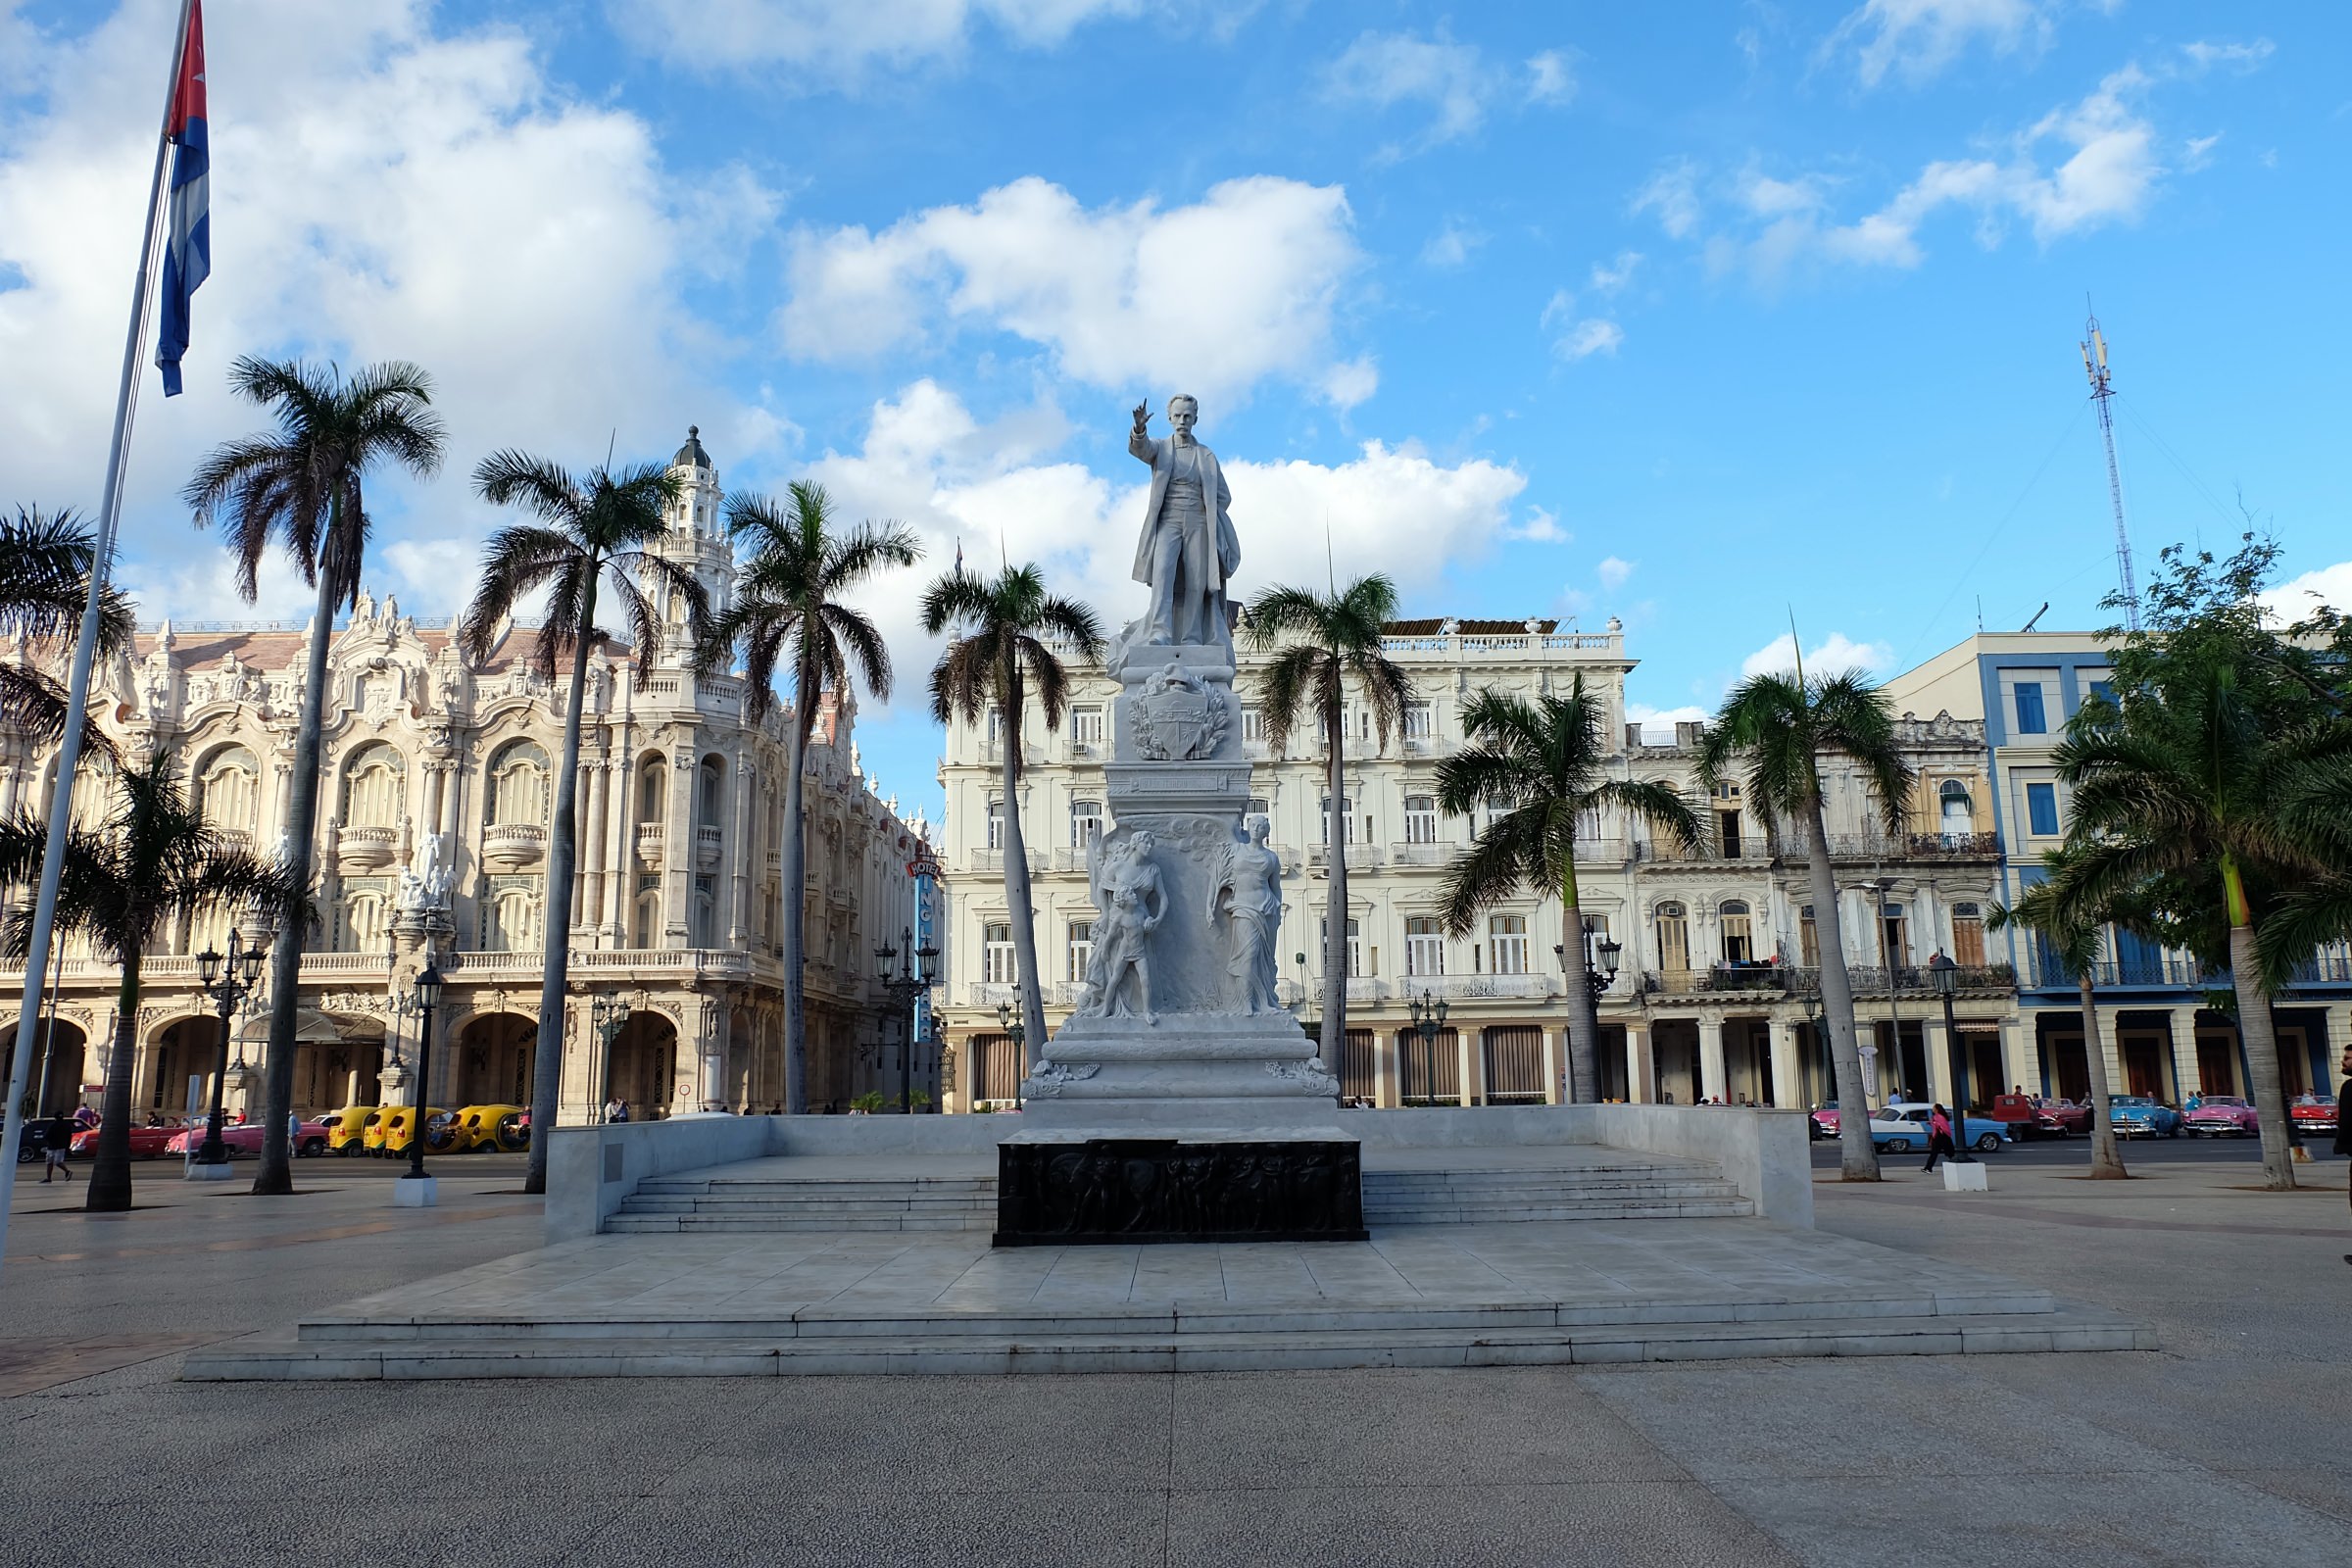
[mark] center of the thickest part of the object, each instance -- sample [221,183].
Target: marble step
[1544,1214]
[282,1356]
[785,1203]
[1503,1192]
[629,1223]
[829,1187]
[1316,1315]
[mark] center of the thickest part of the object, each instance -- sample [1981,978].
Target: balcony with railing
[513,846]
[650,845]
[707,846]
[367,849]
[1915,847]
[1360,856]
[1795,980]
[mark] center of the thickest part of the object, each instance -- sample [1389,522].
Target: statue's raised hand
[1143,416]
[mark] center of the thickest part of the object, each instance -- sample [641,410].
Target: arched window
[653,789]
[364,914]
[228,790]
[374,787]
[1085,823]
[1673,926]
[1958,814]
[514,917]
[1738,938]
[712,797]
[648,919]
[518,785]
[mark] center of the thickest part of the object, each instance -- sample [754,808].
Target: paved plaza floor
[2226,1446]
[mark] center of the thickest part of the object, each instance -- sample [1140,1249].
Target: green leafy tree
[591,539]
[1538,765]
[45,564]
[150,861]
[2072,944]
[1008,637]
[300,488]
[1772,731]
[789,616]
[1324,645]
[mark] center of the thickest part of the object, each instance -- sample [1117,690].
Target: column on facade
[1641,1071]
[1463,1081]
[2018,1064]
[588,911]
[619,865]
[1710,1058]
[679,852]
[1387,1069]
[1553,1064]
[739,856]
[1787,1066]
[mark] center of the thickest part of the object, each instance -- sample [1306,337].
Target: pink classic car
[2223,1116]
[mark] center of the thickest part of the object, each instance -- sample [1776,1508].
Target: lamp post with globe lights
[1010,1023]
[906,971]
[428,1000]
[1944,975]
[227,980]
[1429,1016]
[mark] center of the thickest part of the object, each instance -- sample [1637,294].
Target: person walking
[1939,1136]
[56,1140]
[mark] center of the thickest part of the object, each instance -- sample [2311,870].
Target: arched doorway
[60,1052]
[643,1067]
[494,1060]
[330,1074]
[183,1049]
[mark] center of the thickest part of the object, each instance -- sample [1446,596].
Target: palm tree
[1322,644]
[1543,758]
[788,615]
[2190,787]
[1003,637]
[301,487]
[592,531]
[45,565]
[150,861]
[2073,946]
[1777,727]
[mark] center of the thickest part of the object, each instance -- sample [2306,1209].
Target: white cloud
[1349,382]
[1614,572]
[839,35]
[1837,654]
[1538,527]
[1574,338]
[1916,39]
[1216,297]
[1450,247]
[2198,152]
[928,462]
[1673,194]
[2204,54]
[1615,276]
[1550,77]
[2329,586]
[530,251]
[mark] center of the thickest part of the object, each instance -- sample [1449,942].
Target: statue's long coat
[1197,567]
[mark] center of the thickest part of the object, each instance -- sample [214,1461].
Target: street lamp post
[608,1016]
[428,998]
[1601,952]
[1010,1023]
[1944,975]
[906,971]
[228,981]
[1429,1016]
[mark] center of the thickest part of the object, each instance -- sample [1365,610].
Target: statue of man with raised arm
[1187,549]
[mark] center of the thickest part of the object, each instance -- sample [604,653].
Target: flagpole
[85,647]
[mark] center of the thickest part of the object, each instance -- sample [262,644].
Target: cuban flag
[188,245]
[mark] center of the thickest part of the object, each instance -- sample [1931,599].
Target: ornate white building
[1715,991]
[438,789]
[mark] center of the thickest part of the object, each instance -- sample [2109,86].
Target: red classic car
[146,1143]
[2061,1118]
[2223,1116]
[2313,1114]
[241,1137]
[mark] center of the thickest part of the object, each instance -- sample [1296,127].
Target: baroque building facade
[435,805]
[1717,991]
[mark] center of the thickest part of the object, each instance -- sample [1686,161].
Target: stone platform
[767,1298]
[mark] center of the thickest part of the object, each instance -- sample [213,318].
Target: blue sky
[1694,316]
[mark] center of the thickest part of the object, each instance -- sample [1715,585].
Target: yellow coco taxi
[345,1128]
[478,1129]
[389,1129]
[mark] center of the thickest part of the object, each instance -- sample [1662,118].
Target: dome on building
[692,455]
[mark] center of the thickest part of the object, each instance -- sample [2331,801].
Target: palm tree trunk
[1584,1028]
[791,866]
[1333,1049]
[1017,886]
[1857,1156]
[110,1173]
[302,834]
[2262,1052]
[2106,1157]
[562,852]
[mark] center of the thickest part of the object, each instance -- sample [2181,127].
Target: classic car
[310,1135]
[2139,1116]
[2313,1114]
[240,1138]
[2060,1118]
[2223,1116]
[146,1143]
[1900,1128]
[1822,1123]
[344,1129]
[478,1129]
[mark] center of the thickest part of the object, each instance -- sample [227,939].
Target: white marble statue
[424,884]
[1247,886]
[1187,549]
[1128,891]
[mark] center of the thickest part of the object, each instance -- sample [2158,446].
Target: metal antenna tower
[2102,389]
